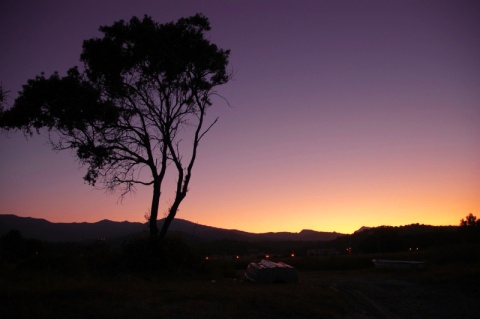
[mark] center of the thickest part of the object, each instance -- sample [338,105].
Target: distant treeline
[384,239]
[388,239]
[178,252]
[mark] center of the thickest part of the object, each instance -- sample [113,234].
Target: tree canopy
[143,88]
[470,221]
[3,97]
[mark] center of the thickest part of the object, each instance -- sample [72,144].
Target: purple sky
[343,114]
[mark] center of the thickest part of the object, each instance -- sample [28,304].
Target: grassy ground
[329,287]
[186,296]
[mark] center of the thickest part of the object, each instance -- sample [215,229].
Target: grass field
[177,296]
[329,287]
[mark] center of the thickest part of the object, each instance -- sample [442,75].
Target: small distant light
[237,257]
[292,255]
[206,258]
[267,256]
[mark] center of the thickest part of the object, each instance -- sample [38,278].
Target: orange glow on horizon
[353,129]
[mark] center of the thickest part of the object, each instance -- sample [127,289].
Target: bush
[100,258]
[174,252]
[14,247]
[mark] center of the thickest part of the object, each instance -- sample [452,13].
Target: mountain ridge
[43,229]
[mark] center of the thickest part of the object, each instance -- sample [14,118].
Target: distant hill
[44,230]
[385,239]
[55,232]
[363,228]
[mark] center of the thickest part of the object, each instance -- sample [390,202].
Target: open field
[443,290]
[163,297]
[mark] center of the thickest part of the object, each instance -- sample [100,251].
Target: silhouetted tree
[470,228]
[3,97]
[138,105]
[14,247]
[470,221]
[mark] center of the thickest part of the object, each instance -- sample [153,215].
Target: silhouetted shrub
[100,258]
[137,253]
[14,247]
[174,252]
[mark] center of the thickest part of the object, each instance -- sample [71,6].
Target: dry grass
[52,296]
[329,287]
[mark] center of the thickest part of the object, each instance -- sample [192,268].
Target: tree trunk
[154,210]
[171,215]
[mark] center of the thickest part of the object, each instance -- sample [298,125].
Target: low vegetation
[187,280]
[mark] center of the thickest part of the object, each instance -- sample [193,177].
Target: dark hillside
[386,239]
[47,231]
[109,230]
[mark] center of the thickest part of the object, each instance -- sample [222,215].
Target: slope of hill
[385,239]
[44,230]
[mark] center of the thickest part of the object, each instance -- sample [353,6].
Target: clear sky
[343,114]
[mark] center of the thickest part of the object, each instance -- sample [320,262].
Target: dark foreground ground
[449,290]
[434,293]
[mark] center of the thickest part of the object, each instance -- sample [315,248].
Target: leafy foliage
[143,89]
[14,247]
[470,221]
[3,97]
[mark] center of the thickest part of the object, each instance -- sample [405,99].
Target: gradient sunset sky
[342,114]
